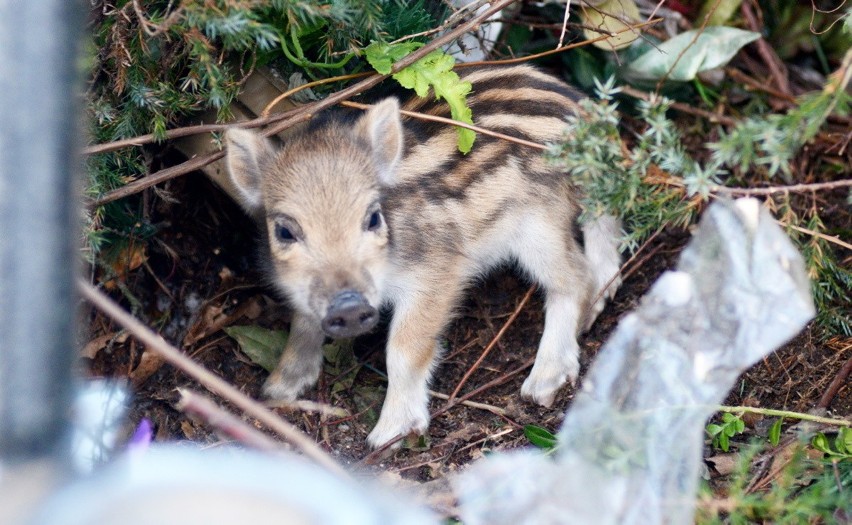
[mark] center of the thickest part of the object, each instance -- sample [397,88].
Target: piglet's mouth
[348,315]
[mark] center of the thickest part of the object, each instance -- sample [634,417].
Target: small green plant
[731,426]
[801,490]
[839,449]
[654,183]
[435,70]
[540,437]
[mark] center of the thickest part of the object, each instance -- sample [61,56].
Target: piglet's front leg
[419,318]
[301,362]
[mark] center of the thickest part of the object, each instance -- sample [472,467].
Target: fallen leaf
[99,343]
[261,345]
[148,365]
[690,53]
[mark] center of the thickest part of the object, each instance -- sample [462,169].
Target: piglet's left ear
[382,128]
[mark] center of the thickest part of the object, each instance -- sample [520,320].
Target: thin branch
[830,238]
[451,122]
[838,381]
[794,188]
[202,407]
[785,413]
[212,382]
[376,454]
[472,404]
[493,343]
[685,108]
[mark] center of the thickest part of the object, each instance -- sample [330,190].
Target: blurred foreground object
[630,447]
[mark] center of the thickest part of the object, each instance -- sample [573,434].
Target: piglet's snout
[348,315]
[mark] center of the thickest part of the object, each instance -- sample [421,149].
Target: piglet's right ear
[245,154]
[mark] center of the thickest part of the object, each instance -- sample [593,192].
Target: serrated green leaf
[382,56]
[261,345]
[434,71]
[713,429]
[684,56]
[540,437]
[739,426]
[775,431]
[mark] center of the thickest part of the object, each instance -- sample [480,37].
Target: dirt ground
[199,273]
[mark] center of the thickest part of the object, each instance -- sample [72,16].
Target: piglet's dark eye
[375,221]
[284,234]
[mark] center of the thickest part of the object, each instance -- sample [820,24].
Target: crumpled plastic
[630,446]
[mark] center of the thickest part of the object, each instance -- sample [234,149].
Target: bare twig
[836,383]
[769,56]
[830,238]
[377,454]
[493,343]
[794,188]
[451,122]
[212,382]
[785,413]
[472,404]
[685,108]
[228,424]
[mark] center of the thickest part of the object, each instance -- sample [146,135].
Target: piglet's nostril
[348,315]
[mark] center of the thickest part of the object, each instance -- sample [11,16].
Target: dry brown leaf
[99,343]
[148,365]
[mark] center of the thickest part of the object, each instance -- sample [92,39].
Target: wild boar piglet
[375,209]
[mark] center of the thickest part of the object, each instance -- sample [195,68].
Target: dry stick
[451,122]
[288,119]
[794,188]
[836,383]
[376,454]
[769,56]
[212,382]
[829,238]
[198,405]
[472,404]
[493,343]
[684,108]
[186,131]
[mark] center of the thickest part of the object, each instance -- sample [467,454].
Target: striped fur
[445,218]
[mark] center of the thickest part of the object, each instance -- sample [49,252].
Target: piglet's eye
[375,221]
[284,234]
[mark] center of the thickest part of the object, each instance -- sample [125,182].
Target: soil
[200,269]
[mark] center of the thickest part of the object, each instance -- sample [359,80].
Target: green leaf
[382,56]
[342,364]
[713,429]
[775,431]
[261,345]
[844,440]
[820,442]
[723,441]
[540,437]
[434,71]
[690,53]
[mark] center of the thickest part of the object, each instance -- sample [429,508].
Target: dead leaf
[261,345]
[99,343]
[723,464]
[148,365]
[213,318]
